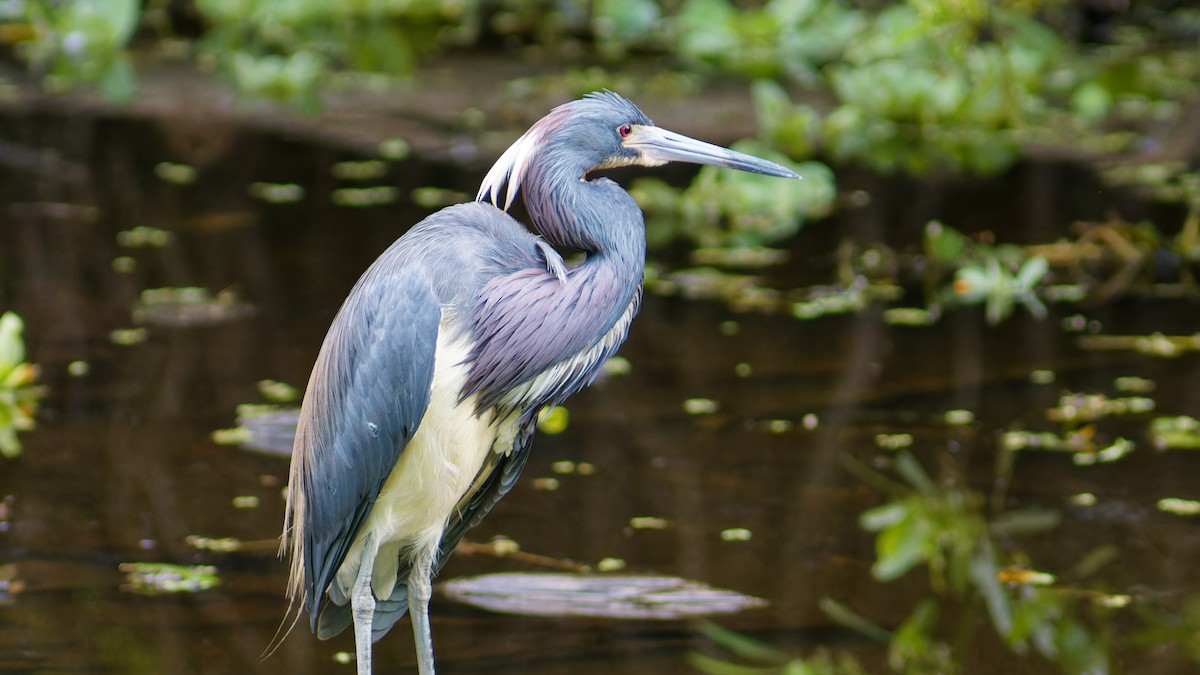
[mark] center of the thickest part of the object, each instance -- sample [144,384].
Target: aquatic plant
[19,392]
[155,578]
[717,210]
[942,527]
[76,42]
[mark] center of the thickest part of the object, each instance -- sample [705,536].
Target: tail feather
[337,617]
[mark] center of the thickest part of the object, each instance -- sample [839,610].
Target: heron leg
[420,589]
[362,606]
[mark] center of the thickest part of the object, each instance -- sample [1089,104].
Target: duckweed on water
[188,306]
[269,428]
[147,578]
[1082,499]
[910,316]
[124,264]
[893,441]
[371,169]
[1179,507]
[747,257]
[245,502]
[1075,408]
[1181,433]
[176,174]
[780,426]
[277,193]
[610,565]
[958,418]
[278,392]
[545,484]
[1134,385]
[1076,441]
[1042,377]
[647,523]
[1081,443]
[700,406]
[617,365]
[395,149]
[222,545]
[1118,449]
[144,236]
[736,534]
[1155,344]
[567,467]
[436,198]
[554,420]
[378,195]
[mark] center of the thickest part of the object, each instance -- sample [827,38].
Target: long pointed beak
[658,146]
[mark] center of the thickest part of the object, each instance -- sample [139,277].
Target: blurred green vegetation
[19,393]
[911,85]
[976,566]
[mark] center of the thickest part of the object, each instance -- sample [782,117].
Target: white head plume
[510,168]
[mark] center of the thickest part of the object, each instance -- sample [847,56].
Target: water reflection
[122,468]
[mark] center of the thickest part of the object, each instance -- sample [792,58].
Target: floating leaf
[647,523]
[1179,507]
[735,534]
[554,420]
[597,595]
[265,428]
[188,306]
[147,578]
[700,406]
[278,392]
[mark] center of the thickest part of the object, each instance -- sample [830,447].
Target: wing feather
[365,400]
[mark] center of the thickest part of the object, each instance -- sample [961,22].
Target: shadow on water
[122,467]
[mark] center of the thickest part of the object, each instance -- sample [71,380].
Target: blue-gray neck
[596,217]
[540,337]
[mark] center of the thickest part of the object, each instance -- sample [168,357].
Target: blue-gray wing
[538,339]
[367,394]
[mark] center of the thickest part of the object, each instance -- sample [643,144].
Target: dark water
[122,466]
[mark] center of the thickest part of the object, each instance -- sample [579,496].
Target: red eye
[625,129]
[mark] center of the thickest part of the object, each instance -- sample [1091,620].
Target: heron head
[605,130]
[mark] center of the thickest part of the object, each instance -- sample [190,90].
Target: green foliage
[620,24]
[19,395]
[81,41]
[930,84]
[914,85]
[154,578]
[915,88]
[942,526]
[762,659]
[282,49]
[996,276]
[788,39]
[287,49]
[735,208]
[928,525]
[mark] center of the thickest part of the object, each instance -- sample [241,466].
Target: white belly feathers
[435,471]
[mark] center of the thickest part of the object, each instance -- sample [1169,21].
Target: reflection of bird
[422,403]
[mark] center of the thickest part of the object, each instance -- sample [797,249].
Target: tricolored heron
[423,400]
